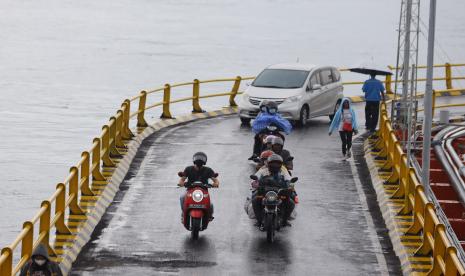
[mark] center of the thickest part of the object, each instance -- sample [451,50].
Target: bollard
[195,97]
[166,102]
[234,90]
[126,106]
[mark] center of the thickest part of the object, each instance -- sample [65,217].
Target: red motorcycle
[197,207]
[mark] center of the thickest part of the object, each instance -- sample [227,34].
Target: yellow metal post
[234,90]
[166,102]
[85,175]
[6,267]
[388,84]
[448,76]
[126,107]
[113,150]
[140,115]
[60,204]
[107,162]
[96,174]
[28,240]
[119,129]
[73,192]
[195,97]
[44,226]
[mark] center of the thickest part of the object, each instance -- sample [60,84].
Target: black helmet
[199,158]
[272,107]
[263,106]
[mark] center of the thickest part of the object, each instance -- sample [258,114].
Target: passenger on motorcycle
[278,148]
[279,174]
[197,172]
[264,159]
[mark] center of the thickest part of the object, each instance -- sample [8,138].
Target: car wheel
[245,121]
[303,116]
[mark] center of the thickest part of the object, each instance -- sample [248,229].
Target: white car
[301,91]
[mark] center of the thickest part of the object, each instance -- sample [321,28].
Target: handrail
[90,167]
[110,144]
[435,242]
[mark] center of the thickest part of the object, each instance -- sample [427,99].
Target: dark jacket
[49,268]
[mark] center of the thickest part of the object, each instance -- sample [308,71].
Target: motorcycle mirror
[180,174]
[215,175]
[294,179]
[253,177]
[290,158]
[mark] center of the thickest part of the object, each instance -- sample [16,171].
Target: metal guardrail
[435,242]
[110,144]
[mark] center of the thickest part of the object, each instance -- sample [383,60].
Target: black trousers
[257,145]
[346,139]
[371,115]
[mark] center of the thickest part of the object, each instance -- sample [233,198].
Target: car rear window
[281,78]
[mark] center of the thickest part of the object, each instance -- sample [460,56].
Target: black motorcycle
[272,195]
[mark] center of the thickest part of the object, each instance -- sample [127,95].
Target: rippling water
[65,66]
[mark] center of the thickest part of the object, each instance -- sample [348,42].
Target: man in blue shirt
[374,91]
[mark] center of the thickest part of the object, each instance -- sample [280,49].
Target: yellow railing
[435,242]
[447,78]
[106,148]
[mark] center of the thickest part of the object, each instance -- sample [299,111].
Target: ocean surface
[66,66]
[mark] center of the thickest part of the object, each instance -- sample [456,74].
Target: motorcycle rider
[268,115]
[279,174]
[277,146]
[197,172]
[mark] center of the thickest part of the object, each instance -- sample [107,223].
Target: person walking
[374,92]
[345,122]
[40,264]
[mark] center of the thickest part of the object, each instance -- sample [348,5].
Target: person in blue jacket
[374,91]
[345,122]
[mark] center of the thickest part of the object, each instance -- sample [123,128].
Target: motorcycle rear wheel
[195,228]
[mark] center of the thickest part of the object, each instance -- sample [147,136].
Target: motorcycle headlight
[271,196]
[293,99]
[272,128]
[197,195]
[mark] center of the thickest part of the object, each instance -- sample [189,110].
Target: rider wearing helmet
[198,172]
[277,146]
[264,158]
[273,172]
[266,107]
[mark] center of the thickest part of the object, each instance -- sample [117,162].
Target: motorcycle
[196,209]
[272,198]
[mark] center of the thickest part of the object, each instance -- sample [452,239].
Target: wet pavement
[334,233]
